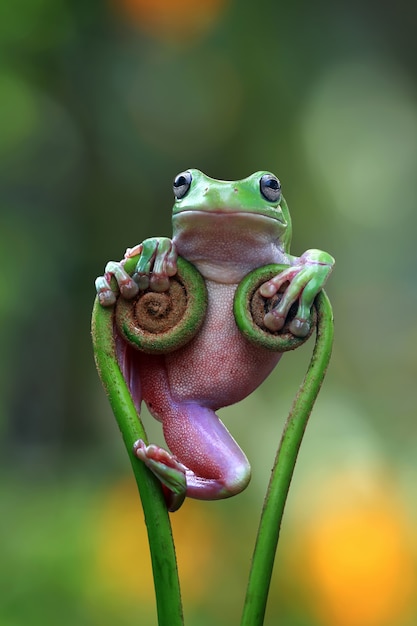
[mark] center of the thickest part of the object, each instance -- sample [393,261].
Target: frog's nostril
[235,189]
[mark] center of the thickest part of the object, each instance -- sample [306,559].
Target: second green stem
[270,524]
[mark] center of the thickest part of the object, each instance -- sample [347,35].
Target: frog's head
[257,198]
[229,227]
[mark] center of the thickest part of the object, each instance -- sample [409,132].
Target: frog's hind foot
[167,469]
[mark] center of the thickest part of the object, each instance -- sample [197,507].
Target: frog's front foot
[149,264]
[125,284]
[167,469]
[306,278]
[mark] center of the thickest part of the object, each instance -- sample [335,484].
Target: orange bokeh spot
[358,558]
[172,19]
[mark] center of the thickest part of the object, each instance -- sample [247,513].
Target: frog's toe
[300,327]
[159,282]
[128,288]
[154,454]
[105,294]
[141,280]
[167,469]
[274,320]
[153,281]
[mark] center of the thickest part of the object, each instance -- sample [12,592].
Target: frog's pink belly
[219,367]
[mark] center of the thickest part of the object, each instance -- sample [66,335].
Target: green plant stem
[273,510]
[164,565]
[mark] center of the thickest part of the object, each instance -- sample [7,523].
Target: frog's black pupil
[270,188]
[179,181]
[182,184]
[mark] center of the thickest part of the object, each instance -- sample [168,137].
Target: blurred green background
[102,103]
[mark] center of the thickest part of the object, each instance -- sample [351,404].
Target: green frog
[225,229]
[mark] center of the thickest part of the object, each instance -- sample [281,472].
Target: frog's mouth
[270,214]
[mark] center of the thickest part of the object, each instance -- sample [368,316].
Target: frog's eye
[270,188]
[182,184]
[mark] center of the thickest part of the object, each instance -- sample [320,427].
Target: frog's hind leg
[206,462]
[215,465]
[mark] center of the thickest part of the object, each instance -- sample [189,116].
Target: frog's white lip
[232,213]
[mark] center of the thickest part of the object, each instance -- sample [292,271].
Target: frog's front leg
[205,461]
[149,264]
[306,276]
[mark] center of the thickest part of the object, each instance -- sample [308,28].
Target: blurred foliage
[102,104]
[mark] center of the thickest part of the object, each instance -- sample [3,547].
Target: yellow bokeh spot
[123,566]
[358,556]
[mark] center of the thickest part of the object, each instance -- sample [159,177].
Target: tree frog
[225,229]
